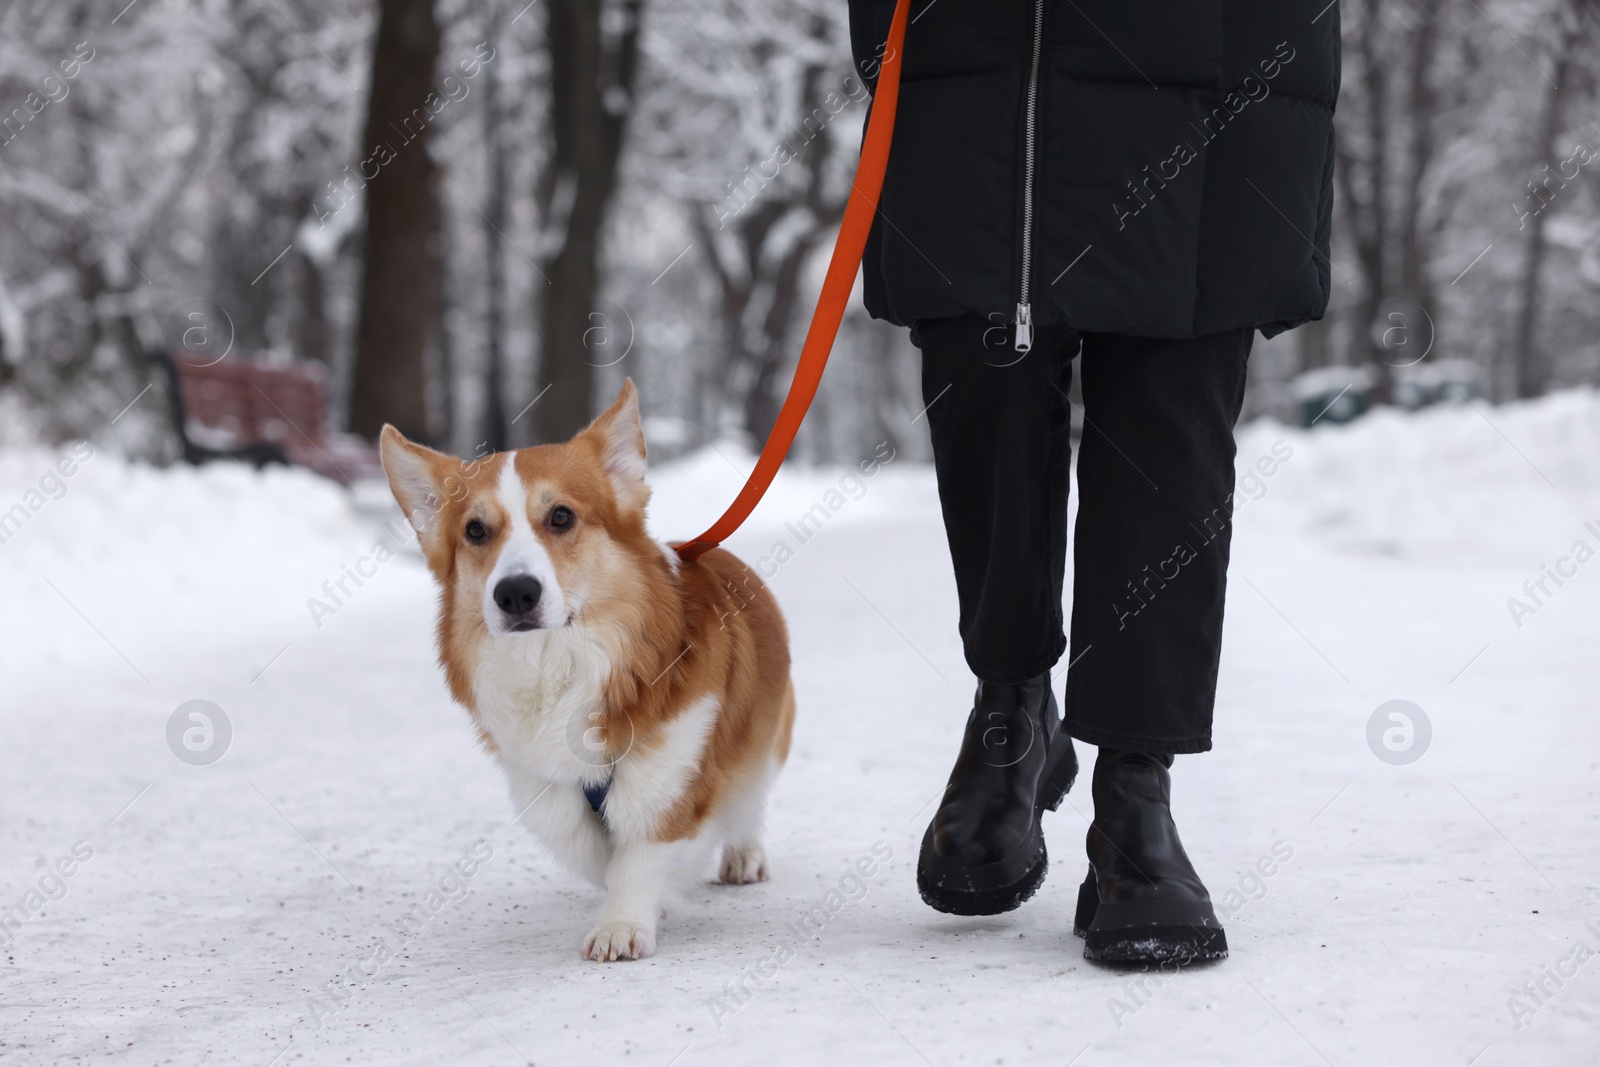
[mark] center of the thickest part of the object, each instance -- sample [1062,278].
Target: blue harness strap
[596,794]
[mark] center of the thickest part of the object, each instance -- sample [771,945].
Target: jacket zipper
[1024,323]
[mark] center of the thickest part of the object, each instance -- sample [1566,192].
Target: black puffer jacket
[1182,163]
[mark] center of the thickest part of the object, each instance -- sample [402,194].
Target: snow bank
[1451,483]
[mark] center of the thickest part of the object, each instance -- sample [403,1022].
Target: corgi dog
[640,704]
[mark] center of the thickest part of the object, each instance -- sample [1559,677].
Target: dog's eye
[477,532]
[561,517]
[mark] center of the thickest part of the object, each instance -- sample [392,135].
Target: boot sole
[993,889]
[1163,932]
[1006,884]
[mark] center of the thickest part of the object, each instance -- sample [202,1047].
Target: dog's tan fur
[670,634]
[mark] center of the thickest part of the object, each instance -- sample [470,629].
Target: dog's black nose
[518,596]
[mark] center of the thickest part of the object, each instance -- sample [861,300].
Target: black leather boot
[1142,901]
[984,853]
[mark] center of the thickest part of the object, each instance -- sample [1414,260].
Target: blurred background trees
[576,190]
[1466,223]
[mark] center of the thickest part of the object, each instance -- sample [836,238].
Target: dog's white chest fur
[539,701]
[539,697]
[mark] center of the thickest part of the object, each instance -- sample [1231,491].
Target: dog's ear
[416,477]
[620,440]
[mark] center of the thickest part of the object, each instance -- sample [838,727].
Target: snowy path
[218,900]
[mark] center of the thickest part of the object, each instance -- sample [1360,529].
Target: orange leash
[834,299]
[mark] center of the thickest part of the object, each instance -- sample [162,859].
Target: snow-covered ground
[1442,911]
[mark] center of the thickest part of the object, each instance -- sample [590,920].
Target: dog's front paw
[743,864]
[619,941]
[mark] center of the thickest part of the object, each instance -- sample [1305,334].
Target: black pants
[1155,476]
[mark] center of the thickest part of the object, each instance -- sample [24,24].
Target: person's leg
[1155,477]
[1155,485]
[999,426]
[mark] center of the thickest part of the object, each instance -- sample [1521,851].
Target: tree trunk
[888,413]
[494,432]
[1312,344]
[591,94]
[400,286]
[442,416]
[1422,103]
[741,269]
[1531,369]
[1372,250]
[763,399]
[311,328]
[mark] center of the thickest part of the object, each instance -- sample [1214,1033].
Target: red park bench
[261,413]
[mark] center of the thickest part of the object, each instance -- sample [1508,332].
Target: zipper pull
[1024,327]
